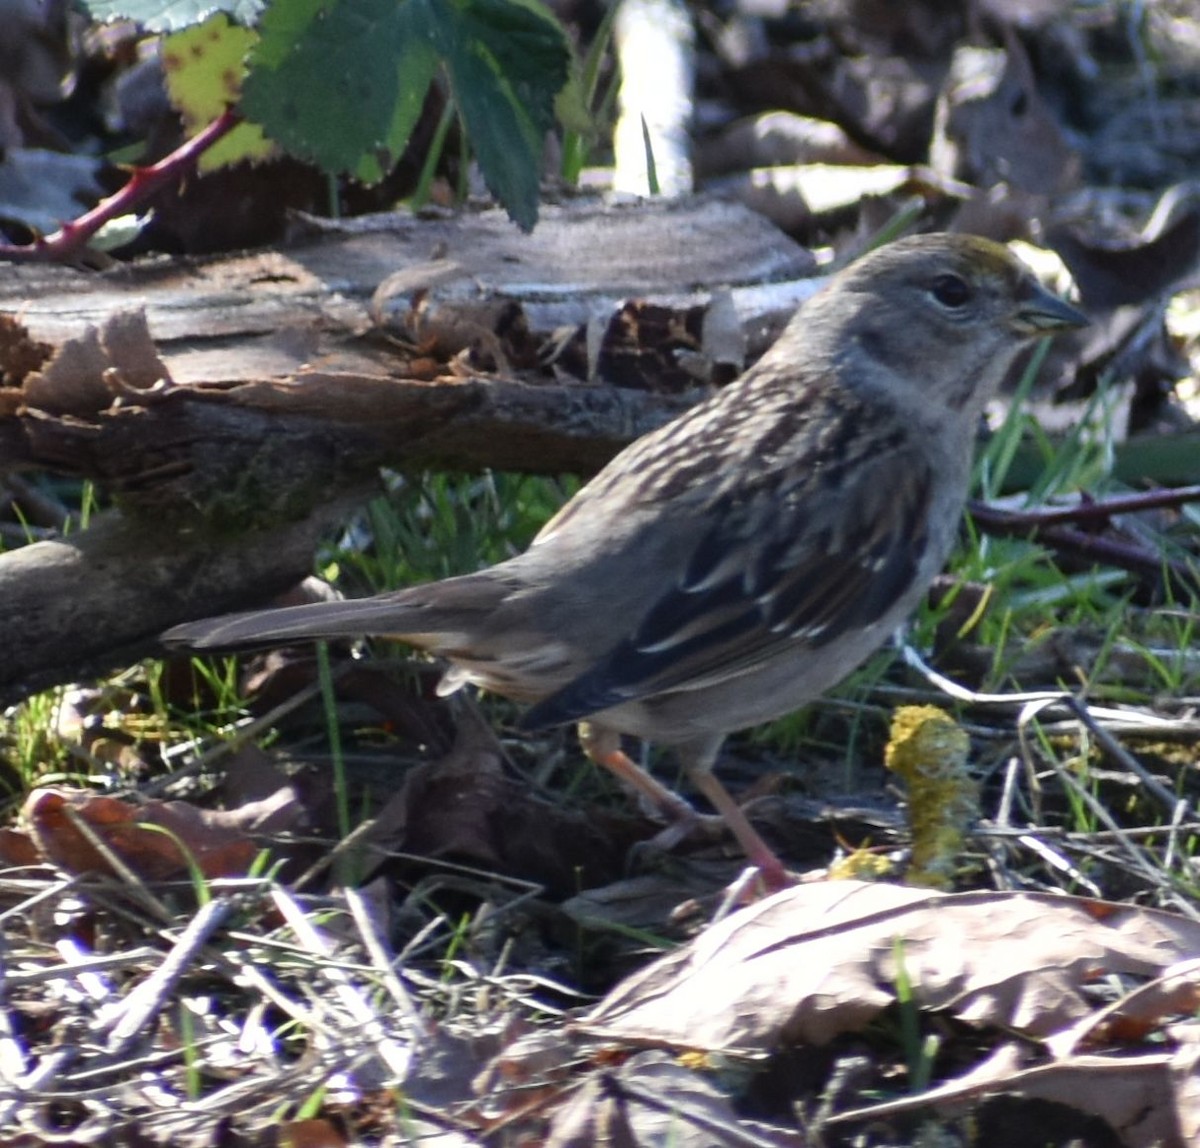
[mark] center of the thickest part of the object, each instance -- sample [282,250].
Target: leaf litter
[420,994]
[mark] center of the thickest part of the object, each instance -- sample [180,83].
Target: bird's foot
[765,874]
[773,876]
[603,746]
[752,884]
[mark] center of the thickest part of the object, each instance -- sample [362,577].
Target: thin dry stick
[141,1005]
[395,1055]
[1003,828]
[1143,864]
[1057,861]
[135,885]
[93,964]
[1057,832]
[360,833]
[1177,807]
[710,1124]
[373,942]
[1110,717]
[43,892]
[1115,749]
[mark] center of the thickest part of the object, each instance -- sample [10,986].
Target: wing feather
[754,585]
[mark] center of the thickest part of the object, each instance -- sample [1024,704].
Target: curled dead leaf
[88,833]
[819,960]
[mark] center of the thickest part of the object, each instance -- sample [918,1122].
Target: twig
[377,950]
[144,181]
[1003,520]
[1172,804]
[235,737]
[1141,863]
[1053,527]
[149,997]
[396,1055]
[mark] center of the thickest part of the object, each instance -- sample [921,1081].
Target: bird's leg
[603,746]
[698,759]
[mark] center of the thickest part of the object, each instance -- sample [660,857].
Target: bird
[732,565]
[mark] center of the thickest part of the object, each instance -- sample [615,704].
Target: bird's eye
[950,291]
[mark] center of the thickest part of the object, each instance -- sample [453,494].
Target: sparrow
[732,565]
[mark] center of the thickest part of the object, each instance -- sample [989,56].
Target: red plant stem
[1055,527]
[990,516]
[144,181]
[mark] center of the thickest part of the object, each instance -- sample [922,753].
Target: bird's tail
[433,617]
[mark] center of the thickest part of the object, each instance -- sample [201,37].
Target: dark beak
[1041,312]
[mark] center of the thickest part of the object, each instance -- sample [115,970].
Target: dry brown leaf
[71,383]
[771,139]
[311,1134]
[646,346]
[17,849]
[647,900]
[815,961]
[1136,1014]
[992,124]
[1150,1101]
[19,354]
[652,1100]
[1133,268]
[464,807]
[125,337]
[154,840]
[1184,1075]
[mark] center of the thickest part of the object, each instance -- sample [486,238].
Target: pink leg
[603,746]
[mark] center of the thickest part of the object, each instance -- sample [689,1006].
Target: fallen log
[227,404]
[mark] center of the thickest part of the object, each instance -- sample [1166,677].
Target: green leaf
[416,68]
[169,15]
[526,50]
[416,65]
[507,61]
[342,82]
[204,68]
[324,81]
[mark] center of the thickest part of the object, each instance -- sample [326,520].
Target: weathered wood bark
[293,353]
[260,387]
[100,598]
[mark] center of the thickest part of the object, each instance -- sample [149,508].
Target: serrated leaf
[415,71]
[170,15]
[507,61]
[415,68]
[507,145]
[204,67]
[324,80]
[244,142]
[525,48]
[342,82]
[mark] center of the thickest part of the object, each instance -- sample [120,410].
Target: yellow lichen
[929,750]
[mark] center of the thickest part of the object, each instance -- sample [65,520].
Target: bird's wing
[770,572]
